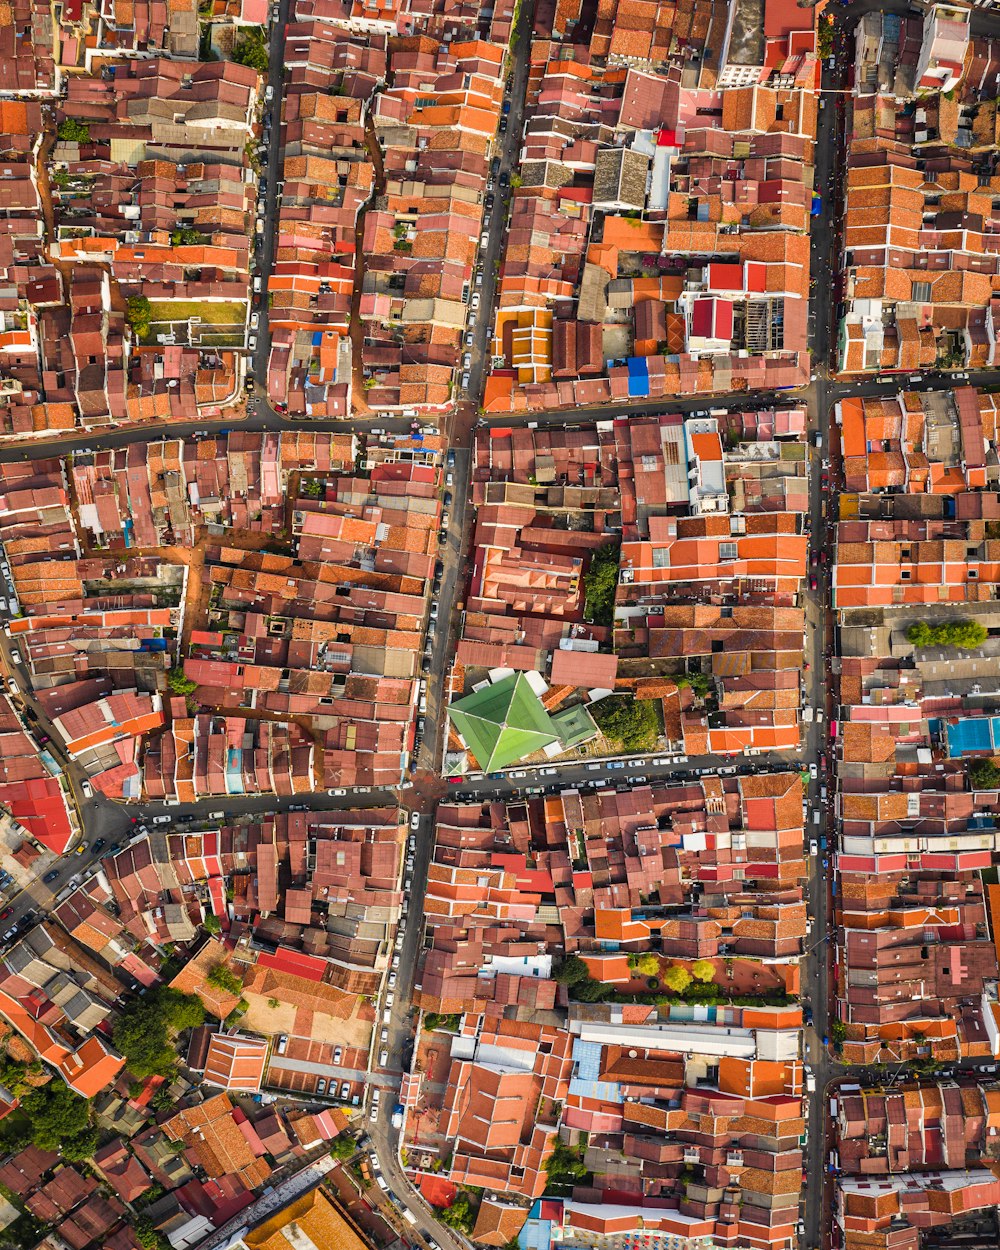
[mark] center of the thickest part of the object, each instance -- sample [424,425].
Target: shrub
[139,314]
[600,583]
[74,131]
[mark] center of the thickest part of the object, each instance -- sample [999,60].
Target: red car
[6,913]
[812,581]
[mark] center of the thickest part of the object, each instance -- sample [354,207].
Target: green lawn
[225,314]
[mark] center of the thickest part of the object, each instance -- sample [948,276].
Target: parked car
[51,875]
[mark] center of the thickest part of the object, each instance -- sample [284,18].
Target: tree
[964,635]
[460,1214]
[212,924]
[139,315]
[600,583]
[648,965]
[591,991]
[73,131]
[344,1148]
[629,723]
[984,774]
[180,683]
[571,971]
[142,1032]
[677,979]
[252,50]
[703,970]
[186,235]
[60,1120]
[224,978]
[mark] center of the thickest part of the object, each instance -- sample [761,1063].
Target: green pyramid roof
[503,722]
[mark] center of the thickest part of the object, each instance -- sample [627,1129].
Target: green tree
[224,978]
[143,1031]
[677,979]
[60,1120]
[703,970]
[73,131]
[648,965]
[571,971]
[591,991]
[252,50]
[984,774]
[186,235]
[180,683]
[631,724]
[460,1214]
[964,635]
[212,924]
[344,1148]
[600,583]
[139,314]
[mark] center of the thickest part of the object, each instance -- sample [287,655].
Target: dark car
[438,568]
[506,107]
[504,178]
[447,498]
[813,560]
[99,845]
[489,201]
[451,457]
[51,876]
[442,538]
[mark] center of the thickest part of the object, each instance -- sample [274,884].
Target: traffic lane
[264,418]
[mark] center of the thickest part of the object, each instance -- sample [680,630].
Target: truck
[397,1115]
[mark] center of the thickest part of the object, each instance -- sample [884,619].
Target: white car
[813,847]
[390,999]
[813,773]
[383,1056]
[338,1054]
[254,320]
[87,788]
[392,980]
[474,302]
[252,343]
[15,655]
[373,1114]
[336,794]
[414,820]
[161,820]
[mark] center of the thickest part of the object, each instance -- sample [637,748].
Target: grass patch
[224,314]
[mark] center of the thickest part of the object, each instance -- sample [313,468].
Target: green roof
[503,722]
[574,725]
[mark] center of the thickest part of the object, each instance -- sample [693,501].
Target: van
[382,1183]
[816,817]
[818,440]
[386,1015]
[282,1045]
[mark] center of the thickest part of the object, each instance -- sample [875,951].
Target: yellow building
[312,1222]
